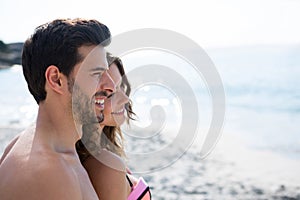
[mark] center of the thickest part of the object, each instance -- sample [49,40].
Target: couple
[72,151]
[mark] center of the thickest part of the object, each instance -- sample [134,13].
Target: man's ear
[54,79]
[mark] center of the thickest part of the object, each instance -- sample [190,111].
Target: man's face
[91,85]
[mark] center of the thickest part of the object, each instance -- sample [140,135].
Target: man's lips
[99,99]
[99,103]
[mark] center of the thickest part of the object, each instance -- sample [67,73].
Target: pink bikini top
[140,191]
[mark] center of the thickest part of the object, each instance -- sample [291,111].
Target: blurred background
[254,45]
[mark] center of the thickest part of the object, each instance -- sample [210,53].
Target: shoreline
[10,54]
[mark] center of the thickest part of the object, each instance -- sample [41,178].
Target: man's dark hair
[56,43]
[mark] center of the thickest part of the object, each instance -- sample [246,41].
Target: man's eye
[98,74]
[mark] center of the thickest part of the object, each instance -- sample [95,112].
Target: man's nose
[107,84]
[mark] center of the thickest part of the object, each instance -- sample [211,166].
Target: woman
[106,168]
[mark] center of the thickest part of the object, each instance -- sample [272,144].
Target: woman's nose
[125,98]
[107,84]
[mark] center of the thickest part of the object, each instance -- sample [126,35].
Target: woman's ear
[54,79]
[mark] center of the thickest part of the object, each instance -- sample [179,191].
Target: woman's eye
[123,87]
[120,88]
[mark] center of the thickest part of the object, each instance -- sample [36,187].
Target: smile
[119,111]
[99,102]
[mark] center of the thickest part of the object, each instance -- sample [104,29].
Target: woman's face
[114,106]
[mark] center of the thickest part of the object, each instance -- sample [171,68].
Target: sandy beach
[231,171]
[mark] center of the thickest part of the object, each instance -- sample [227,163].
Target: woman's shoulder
[107,161]
[107,172]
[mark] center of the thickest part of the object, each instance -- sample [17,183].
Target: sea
[261,87]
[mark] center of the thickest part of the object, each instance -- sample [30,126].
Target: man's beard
[83,108]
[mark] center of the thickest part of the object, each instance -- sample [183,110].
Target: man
[65,67]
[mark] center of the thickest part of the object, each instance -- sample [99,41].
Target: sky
[211,23]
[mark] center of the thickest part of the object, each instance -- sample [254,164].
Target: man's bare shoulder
[8,148]
[38,177]
[29,171]
[34,169]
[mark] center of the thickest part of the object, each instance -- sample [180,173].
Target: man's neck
[57,129]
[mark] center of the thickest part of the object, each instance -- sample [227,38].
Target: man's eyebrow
[98,68]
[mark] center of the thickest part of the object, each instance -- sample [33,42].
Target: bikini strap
[130,183]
